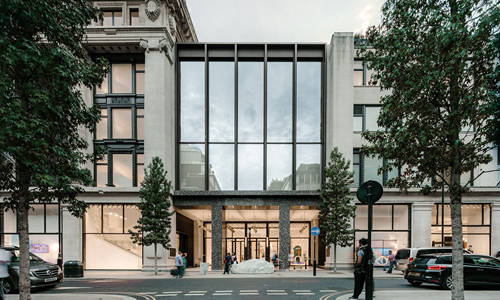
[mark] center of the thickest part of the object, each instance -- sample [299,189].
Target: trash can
[73,268]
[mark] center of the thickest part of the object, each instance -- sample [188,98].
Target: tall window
[366,168]
[112,18]
[249,125]
[134,17]
[362,74]
[121,128]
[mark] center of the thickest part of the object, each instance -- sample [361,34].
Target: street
[231,288]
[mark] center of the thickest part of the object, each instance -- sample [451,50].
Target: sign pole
[315,232]
[369,272]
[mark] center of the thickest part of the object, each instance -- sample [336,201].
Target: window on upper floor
[366,168]
[362,74]
[123,78]
[365,118]
[134,17]
[121,123]
[120,168]
[112,18]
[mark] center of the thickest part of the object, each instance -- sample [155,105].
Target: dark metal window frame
[112,11]
[385,175]
[363,114]
[260,53]
[364,70]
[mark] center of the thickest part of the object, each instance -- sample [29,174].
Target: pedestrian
[184,263]
[275,259]
[227,263]
[392,262]
[470,249]
[234,258]
[5,257]
[179,263]
[360,268]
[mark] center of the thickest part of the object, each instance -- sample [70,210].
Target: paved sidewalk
[72,296]
[425,294]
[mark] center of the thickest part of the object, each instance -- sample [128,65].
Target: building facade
[244,131]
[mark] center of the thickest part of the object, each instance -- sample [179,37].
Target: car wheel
[415,283]
[8,287]
[447,282]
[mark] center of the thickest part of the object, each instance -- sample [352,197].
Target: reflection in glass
[372,113]
[93,219]
[358,72]
[250,167]
[221,162]
[250,101]
[382,217]
[132,214]
[308,101]
[308,174]
[36,218]
[102,175]
[140,169]
[122,123]
[401,217]
[140,123]
[9,221]
[102,125]
[101,252]
[221,101]
[104,87]
[112,217]
[192,167]
[139,83]
[279,101]
[279,167]
[51,218]
[371,169]
[192,101]
[121,75]
[122,170]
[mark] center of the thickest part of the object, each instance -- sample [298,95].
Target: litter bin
[73,268]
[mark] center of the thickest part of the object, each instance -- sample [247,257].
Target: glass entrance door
[237,246]
[257,249]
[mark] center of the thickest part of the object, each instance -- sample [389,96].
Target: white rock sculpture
[203,268]
[253,266]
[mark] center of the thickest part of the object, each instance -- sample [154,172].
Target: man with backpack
[227,263]
[360,268]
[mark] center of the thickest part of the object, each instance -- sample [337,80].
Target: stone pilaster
[217,227]
[421,224]
[284,236]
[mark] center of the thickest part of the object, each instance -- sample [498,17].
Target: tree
[43,66]
[155,224]
[438,59]
[336,212]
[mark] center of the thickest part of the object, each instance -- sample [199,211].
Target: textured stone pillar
[495,228]
[284,236]
[421,224]
[217,221]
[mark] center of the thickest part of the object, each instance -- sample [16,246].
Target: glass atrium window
[279,101]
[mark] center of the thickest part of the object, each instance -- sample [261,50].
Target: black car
[42,273]
[478,270]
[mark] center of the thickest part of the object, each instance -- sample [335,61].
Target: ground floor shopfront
[206,226]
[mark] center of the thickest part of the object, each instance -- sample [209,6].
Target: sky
[277,21]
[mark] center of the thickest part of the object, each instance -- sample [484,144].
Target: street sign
[315,231]
[373,187]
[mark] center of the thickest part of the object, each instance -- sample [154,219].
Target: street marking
[194,295]
[147,293]
[249,294]
[301,291]
[304,294]
[223,291]
[71,287]
[172,292]
[327,291]
[167,295]
[277,294]
[275,291]
[221,294]
[197,292]
[249,291]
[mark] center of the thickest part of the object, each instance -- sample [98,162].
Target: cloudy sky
[280,20]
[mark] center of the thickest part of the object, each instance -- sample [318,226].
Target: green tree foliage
[43,65]
[336,212]
[438,60]
[155,224]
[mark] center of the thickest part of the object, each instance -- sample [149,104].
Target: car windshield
[403,254]
[16,253]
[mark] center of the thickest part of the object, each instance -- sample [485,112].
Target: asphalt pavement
[194,273]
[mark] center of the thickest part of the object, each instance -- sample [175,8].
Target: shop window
[112,18]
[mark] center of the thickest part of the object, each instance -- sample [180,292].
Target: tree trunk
[334,258]
[23,230]
[156,262]
[457,273]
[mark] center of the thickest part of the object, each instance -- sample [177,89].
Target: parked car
[436,269]
[406,255]
[42,273]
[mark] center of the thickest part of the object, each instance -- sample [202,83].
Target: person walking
[5,257]
[179,263]
[360,268]
[184,263]
[227,263]
[392,262]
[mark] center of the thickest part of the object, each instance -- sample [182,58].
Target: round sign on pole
[373,187]
[315,231]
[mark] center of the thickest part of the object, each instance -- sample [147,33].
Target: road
[223,288]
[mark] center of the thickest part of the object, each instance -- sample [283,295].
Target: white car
[407,255]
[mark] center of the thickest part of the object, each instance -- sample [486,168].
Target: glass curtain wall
[476,227]
[107,243]
[44,230]
[391,229]
[241,124]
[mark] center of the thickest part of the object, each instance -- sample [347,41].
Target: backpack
[364,261]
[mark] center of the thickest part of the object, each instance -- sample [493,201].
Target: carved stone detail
[153,9]
[171,24]
[144,45]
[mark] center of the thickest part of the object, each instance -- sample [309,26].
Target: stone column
[284,236]
[495,228]
[217,222]
[421,224]
[72,236]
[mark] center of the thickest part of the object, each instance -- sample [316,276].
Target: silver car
[42,273]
